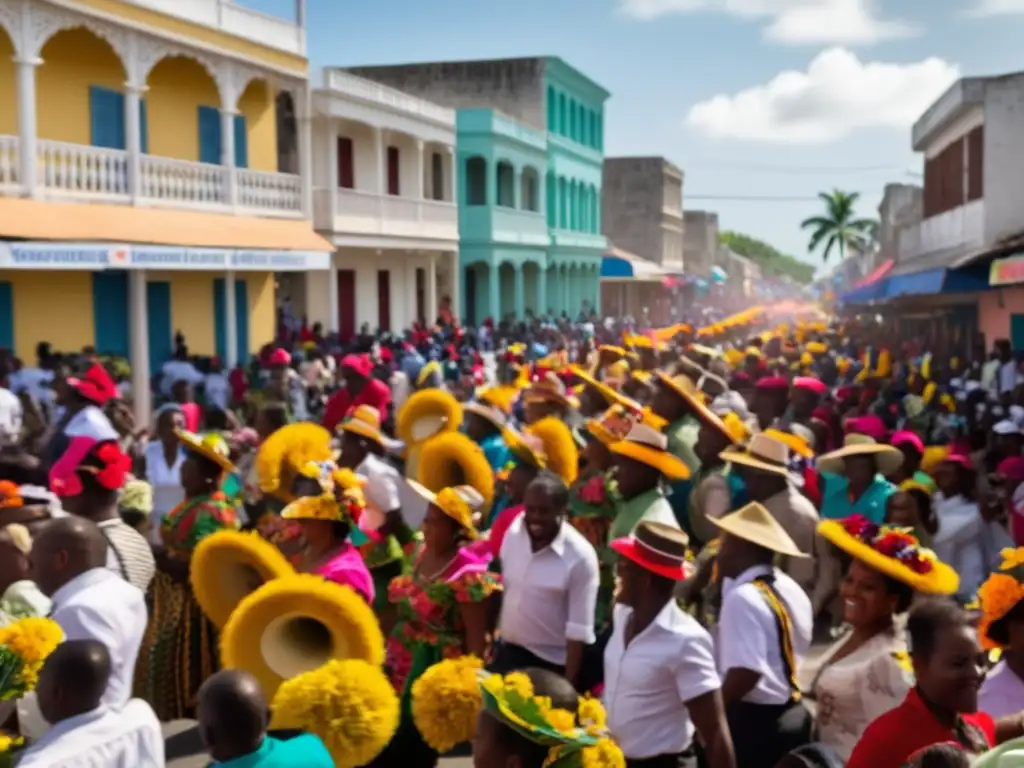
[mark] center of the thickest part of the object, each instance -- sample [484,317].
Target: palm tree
[838,228]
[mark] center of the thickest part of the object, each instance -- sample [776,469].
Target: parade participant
[83,424]
[854,478]
[716,490]
[528,460]
[360,389]
[569,731]
[805,396]
[161,465]
[442,607]
[327,520]
[20,597]
[912,448]
[644,466]
[770,400]
[865,673]
[551,579]
[959,539]
[676,400]
[1001,628]
[763,632]
[666,688]
[943,706]
[547,398]
[597,396]
[180,648]
[485,425]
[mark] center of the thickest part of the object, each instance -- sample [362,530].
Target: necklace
[442,569]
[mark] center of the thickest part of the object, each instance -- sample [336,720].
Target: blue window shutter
[219,330]
[106,117]
[158,324]
[110,312]
[6,316]
[241,143]
[209,135]
[242,319]
[143,127]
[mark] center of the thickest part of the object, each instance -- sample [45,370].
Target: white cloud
[997,8]
[837,95]
[793,22]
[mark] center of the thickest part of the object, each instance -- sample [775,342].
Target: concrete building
[384,195]
[529,158]
[147,177]
[901,209]
[700,242]
[642,208]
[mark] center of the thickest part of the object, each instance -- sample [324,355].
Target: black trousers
[509,657]
[687,759]
[763,733]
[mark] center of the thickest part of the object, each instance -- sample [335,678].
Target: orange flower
[998,595]
[1011,558]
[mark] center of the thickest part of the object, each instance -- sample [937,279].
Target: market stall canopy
[619,265]
[876,274]
[76,222]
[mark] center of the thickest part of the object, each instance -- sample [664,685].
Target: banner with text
[101,256]
[1006,271]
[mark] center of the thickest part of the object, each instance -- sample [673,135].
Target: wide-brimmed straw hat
[659,548]
[549,389]
[611,395]
[892,551]
[887,459]
[211,447]
[797,444]
[613,425]
[755,524]
[648,446]
[763,453]
[459,503]
[525,448]
[490,413]
[364,422]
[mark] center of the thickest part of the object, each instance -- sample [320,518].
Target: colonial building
[530,139]
[384,195]
[148,173]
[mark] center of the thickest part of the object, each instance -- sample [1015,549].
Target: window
[437,176]
[563,203]
[563,115]
[241,142]
[552,200]
[394,171]
[944,180]
[572,119]
[107,120]
[210,146]
[476,181]
[976,163]
[346,163]
[530,190]
[552,110]
[506,192]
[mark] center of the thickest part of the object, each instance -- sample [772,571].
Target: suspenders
[785,628]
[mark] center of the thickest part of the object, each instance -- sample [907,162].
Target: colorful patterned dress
[179,650]
[591,511]
[430,626]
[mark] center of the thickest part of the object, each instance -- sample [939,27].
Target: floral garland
[24,647]
[895,543]
[10,496]
[445,702]
[1000,594]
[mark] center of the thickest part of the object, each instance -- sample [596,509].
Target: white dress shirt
[103,738]
[958,541]
[748,636]
[549,596]
[100,605]
[648,682]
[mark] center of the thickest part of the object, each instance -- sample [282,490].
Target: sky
[762,103]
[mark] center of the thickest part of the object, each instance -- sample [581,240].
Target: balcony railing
[344,82]
[368,213]
[961,228]
[83,173]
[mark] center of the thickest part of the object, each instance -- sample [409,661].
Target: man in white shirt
[661,683]
[550,574]
[763,633]
[85,731]
[91,602]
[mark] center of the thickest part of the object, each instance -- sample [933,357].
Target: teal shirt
[496,451]
[836,503]
[306,750]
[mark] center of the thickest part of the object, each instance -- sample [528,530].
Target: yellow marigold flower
[1011,558]
[8,742]
[31,640]
[562,720]
[519,683]
[592,714]
[445,702]
[604,754]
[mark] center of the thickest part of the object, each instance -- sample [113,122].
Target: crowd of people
[619,547]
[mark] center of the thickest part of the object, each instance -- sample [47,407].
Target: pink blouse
[348,569]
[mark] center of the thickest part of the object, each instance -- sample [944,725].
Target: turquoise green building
[529,153]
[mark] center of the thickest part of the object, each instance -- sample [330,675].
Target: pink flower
[593,491]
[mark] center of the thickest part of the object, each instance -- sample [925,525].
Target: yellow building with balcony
[154,175]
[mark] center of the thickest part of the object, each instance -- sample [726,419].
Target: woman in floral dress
[179,650]
[442,607]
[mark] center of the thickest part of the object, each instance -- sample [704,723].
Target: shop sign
[89,256]
[1006,271]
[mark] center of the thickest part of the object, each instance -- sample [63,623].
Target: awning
[80,222]
[865,294]
[915,283]
[877,274]
[620,266]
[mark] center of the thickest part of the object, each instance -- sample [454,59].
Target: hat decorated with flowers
[894,552]
[1002,591]
[461,503]
[342,499]
[574,739]
[210,446]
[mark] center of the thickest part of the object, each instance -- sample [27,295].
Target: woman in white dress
[866,672]
[163,459]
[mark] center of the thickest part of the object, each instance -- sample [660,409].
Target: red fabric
[239,385]
[811,384]
[773,382]
[192,416]
[64,479]
[279,357]
[96,385]
[361,364]
[341,403]
[501,526]
[812,486]
[893,737]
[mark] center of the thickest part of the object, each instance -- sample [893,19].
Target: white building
[384,195]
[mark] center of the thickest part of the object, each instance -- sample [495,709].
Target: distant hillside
[769,259]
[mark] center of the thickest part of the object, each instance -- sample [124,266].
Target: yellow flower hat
[446,701]
[451,459]
[210,446]
[283,455]
[998,596]
[563,457]
[525,448]
[427,413]
[459,503]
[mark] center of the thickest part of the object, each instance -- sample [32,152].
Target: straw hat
[365,422]
[659,548]
[798,444]
[459,503]
[684,387]
[550,389]
[487,412]
[764,453]
[893,552]
[611,396]
[755,524]
[613,425]
[887,458]
[648,446]
[211,446]
[525,448]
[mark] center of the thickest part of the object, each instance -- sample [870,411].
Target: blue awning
[864,294]
[617,265]
[915,283]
